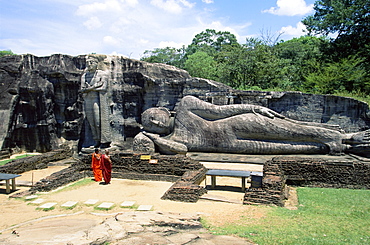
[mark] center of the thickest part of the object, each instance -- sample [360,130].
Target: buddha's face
[92,63]
[157,120]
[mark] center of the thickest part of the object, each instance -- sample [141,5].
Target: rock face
[43,101]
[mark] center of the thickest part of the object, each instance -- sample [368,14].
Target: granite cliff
[43,101]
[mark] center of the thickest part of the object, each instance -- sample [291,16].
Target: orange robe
[106,166]
[95,165]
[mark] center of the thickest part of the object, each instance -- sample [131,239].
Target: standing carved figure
[94,87]
[241,128]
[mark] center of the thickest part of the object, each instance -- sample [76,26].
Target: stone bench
[7,178]
[231,173]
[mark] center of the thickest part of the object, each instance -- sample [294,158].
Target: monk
[106,166]
[95,165]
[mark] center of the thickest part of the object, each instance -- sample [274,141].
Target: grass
[76,185]
[324,216]
[3,162]
[46,209]
[357,96]
[135,206]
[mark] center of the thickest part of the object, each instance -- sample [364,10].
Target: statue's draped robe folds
[94,87]
[242,128]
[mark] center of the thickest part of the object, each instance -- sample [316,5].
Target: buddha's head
[157,120]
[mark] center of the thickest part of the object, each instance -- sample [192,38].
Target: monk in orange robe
[95,165]
[106,166]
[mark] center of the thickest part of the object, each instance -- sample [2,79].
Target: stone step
[127,204]
[38,201]
[106,205]
[145,208]
[47,205]
[69,204]
[220,199]
[91,202]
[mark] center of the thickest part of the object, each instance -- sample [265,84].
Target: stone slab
[106,205]
[38,201]
[91,201]
[47,205]
[31,197]
[145,207]
[182,238]
[69,204]
[127,204]
[220,199]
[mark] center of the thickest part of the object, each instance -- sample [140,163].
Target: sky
[129,27]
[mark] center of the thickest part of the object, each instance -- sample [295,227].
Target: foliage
[345,17]
[346,75]
[349,20]
[358,95]
[200,64]
[324,216]
[76,185]
[6,52]
[5,161]
[296,55]
[211,42]
[168,55]
[308,63]
[253,64]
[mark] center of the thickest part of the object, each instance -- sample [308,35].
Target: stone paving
[136,224]
[134,227]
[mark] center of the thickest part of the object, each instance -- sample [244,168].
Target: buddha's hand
[151,136]
[268,112]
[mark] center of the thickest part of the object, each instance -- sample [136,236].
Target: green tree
[233,66]
[211,42]
[296,55]
[168,55]
[6,52]
[200,64]
[348,74]
[349,19]
[252,65]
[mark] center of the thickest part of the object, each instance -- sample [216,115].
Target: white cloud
[93,23]
[126,27]
[207,1]
[291,31]
[187,3]
[143,41]
[290,8]
[172,6]
[118,54]
[131,3]
[107,5]
[109,40]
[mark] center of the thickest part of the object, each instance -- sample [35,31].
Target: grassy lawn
[324,216]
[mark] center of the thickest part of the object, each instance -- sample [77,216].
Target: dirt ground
[18,212]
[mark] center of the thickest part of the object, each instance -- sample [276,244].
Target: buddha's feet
[362,137]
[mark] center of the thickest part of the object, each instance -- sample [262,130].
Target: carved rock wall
[282,171]
[41,105]
[350,114]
